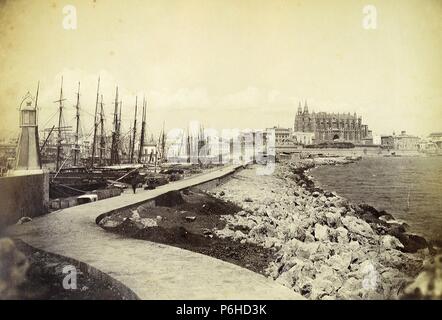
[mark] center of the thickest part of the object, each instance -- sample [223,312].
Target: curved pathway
[150,270]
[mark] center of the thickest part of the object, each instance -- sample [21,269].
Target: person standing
[134,183]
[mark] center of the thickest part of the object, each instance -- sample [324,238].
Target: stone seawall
[25,195]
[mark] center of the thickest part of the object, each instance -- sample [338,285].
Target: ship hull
[77,181]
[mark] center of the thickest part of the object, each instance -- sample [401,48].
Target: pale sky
[227,63]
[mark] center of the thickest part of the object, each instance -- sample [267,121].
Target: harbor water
[410,188]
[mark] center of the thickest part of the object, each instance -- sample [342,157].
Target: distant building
[329,127]
[405,141]
[368,140]
[304,138]
[285,142]
[377,140]
[436,138]
[149,152]
[428,147]
[387,142]
[401,141]
[432,144]
[282,135]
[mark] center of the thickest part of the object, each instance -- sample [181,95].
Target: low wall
[216,182]
[23,196]
[63,203]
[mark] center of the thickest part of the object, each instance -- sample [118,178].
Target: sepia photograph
[221,155]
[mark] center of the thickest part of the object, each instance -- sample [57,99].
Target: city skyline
[232,65]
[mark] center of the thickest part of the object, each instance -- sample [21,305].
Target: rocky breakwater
[326,247]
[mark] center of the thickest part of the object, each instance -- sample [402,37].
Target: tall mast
[135,132]
[120,140]
[188,146]
[60,116]
[36,96]
[116,133]
[36,120]
[119,117]
[102,137]
[163,143]
[130,142]
[143,125]
[77,126]
[94,141]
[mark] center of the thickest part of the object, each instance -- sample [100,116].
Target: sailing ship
[78,167]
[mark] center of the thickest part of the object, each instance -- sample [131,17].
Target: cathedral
[332,126]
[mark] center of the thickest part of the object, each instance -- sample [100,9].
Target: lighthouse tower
[28,149]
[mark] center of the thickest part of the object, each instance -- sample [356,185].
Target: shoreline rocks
[326,247]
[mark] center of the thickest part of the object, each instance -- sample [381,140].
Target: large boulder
[23,220]
[321,254]
[225,233]
[357,252]
[340,262]
[131,224]
[411,242]
[370,209]
[406,263]
[321,232]
[350,290]
[239,235]
[357,226]
[415,242]
[320,288]
[109,223]
[333,218]
[389,242]
[286,279]
[13,268]
[341,235]
[291,231]
[305,250]
[148,223]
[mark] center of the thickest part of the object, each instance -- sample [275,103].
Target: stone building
[150,152]
[436,138]
[387,142]
[282,135]
[304,138]
[401,141]
[405,141]
[332,126]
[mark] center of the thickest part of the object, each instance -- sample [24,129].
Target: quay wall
[23,196]
[63,203]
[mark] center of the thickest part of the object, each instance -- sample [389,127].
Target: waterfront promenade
[148,270]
